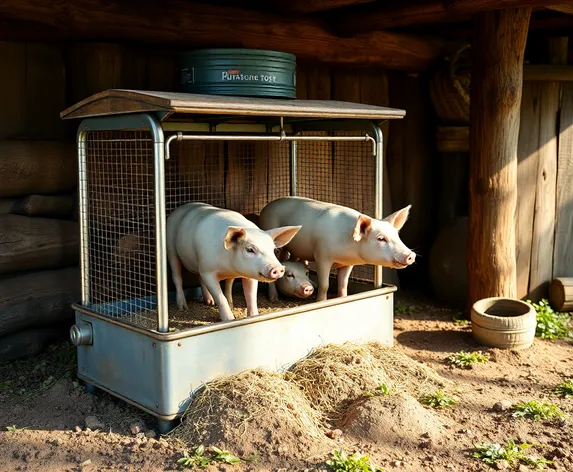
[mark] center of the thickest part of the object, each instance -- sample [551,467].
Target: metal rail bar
[379,192]
[83,216]
[219,137]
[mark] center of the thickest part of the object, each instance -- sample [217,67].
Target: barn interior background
[413,55]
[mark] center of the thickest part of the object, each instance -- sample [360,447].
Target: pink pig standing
[221,244]
[340,237]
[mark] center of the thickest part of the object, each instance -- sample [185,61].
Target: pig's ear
[398,218]
[282,236]
[282,254]
[234,234]
[363,225]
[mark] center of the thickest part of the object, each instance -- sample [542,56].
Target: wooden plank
[188,183]
[568,9]
[239,181]
[128,101]
[301,81]
[453,139]
[134,67]
[346,180]
[563,255]
[542,246]
[190,24]
[527,165]
[161,71]
[540,72]
[314,169]
[12,90]
[418,180]
[45,91]
[215,172]
[259,191]
[497,78]
[93,68]
[396,145]
[374,90]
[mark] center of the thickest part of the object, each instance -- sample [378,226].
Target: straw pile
[283,417]
[255,411]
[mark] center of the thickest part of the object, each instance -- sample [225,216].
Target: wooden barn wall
[545,189]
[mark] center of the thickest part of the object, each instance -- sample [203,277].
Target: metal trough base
[159,373]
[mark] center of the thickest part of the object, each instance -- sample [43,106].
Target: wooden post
[497,76]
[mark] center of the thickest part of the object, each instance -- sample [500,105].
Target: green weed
[564,389]
[550,324]
[537,411]
[465,360]
[342,462]
[511,452]
[438,399]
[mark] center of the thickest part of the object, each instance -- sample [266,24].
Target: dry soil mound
[392,420]
[335,375]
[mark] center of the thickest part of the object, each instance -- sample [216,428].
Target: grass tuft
[465,360]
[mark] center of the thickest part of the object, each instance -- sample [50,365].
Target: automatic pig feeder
[143,154]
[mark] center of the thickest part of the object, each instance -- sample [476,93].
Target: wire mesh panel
[242,176]
[121,227]
[341,172]
[239,175]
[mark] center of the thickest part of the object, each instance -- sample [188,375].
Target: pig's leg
[213,286]
[273,293]
[323,273]
[207,297]
[250,291]
[229,291]
[343,274]
[175,264]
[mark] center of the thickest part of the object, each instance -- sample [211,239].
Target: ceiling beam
[385,15]
[192,25]
[562,8]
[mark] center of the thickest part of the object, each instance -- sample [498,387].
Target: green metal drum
[242,72]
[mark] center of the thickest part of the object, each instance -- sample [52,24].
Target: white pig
[295,283]
[220,244]
[340,237]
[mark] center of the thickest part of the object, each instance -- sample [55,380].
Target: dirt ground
[49,410]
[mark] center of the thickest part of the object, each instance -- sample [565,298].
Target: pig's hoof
[209,301]
[255,313]
[274,298]
[182,306]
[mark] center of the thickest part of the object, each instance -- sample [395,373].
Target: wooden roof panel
[117,101]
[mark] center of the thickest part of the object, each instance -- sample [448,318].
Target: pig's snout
[406,259]
[274,272]
[305,290]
